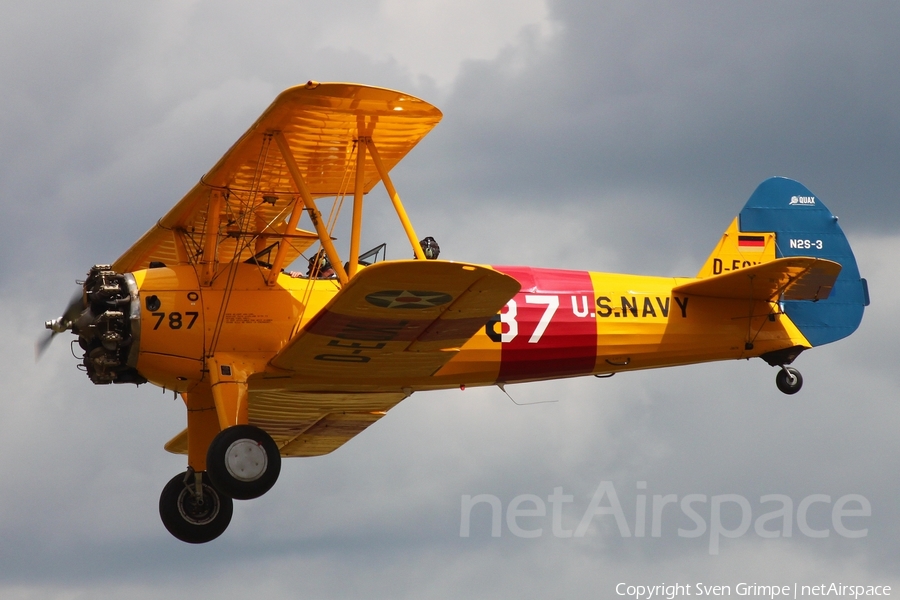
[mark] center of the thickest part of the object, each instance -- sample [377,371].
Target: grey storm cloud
[605,136]
[687,100]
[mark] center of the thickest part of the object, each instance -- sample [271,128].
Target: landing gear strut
[192,510]
[243,462]
[789,380]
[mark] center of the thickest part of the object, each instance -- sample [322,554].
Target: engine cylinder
[106,329]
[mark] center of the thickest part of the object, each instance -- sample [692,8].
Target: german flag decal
[751,242]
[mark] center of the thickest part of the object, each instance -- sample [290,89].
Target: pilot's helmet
[318,263]
[430,248]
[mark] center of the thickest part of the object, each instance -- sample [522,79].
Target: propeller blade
[42,344]
[74,308]
[72,311]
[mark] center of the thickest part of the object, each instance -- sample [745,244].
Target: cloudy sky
[588,135]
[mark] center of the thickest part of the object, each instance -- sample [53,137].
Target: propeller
[60,324]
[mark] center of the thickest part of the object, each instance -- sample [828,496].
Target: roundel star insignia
[408,299]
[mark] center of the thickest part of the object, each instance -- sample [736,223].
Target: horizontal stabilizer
[795,278]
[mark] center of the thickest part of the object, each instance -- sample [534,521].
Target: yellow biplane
[271,364]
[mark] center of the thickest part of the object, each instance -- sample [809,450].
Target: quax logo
[803,201]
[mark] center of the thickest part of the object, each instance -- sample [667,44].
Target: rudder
[803,226]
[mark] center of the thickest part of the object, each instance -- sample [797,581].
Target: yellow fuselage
[560,324]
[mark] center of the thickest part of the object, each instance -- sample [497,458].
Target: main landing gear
[192,510]
[242,462]
[789,380]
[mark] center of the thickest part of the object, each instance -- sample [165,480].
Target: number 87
[508,318]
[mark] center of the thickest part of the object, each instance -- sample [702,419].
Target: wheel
[191,519]
[243,462]
[789,380]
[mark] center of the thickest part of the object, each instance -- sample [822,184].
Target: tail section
[784,219]
[739,250]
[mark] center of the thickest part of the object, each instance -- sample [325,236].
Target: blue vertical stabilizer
[804,226]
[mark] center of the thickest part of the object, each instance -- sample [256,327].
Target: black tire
[192,521]
[789,380]
[243,462]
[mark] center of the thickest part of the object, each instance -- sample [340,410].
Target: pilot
[318,268]
[430,248]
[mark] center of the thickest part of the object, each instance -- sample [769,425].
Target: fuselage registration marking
[720,267]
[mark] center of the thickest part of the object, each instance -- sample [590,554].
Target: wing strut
[283,245]
[395,198]
[358,192]
[212,236]
[314,214]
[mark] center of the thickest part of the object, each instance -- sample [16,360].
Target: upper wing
[321,123]
[394,322]
[795,278]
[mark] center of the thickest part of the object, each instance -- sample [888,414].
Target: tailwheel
[192,510]
[243,462]
[789,380]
